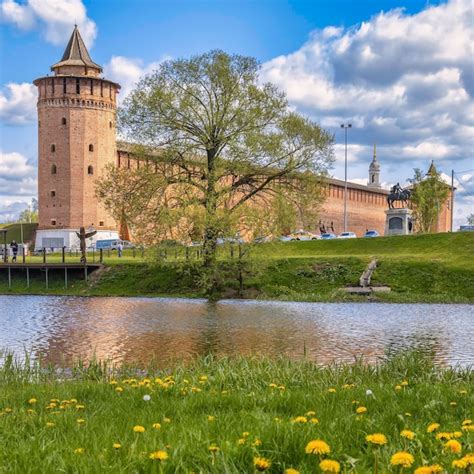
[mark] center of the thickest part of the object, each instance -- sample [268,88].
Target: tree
[470,219]
[228,150]
[30,214]
[428,195]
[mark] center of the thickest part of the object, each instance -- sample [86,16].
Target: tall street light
[345,126]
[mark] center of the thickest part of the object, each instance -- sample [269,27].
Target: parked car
[371,233]
[347,235]
[304,235]
[112,244]
[328,236]
[286,238]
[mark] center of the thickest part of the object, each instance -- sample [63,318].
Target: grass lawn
[426,268]
[238,415]
[14,231]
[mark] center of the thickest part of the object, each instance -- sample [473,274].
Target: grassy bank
[220,416]
[428,268]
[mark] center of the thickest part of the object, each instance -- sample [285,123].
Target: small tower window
[90,170]
[52,85]
[53,193]
[101,89]
[78,87]
[101,224]
[373,178]
[91,147]
[64,85]
[53,221]
[110,124]
[92,87]
[63,121]
[53,148]
[54,169]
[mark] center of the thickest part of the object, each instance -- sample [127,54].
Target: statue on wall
[83,235]
[397,193]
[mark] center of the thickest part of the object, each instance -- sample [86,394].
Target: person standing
[14,247]
[120,249]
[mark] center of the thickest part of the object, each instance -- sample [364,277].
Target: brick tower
[76,140]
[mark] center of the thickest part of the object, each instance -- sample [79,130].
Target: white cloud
[54,18]
[128,71]
[18,103]
[18,177]
[407,79]
[11,209]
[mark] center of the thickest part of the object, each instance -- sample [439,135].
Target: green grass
[436,268]
[241,395]
[14,232]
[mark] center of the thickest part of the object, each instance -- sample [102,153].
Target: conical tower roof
[432,169]
[374,165]
[76,53]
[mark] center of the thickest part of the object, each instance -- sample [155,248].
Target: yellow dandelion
[80,407]
[278,420]
[453,446]
[467,422]
[245,434]
[453,404]
[119,389]
[310,413]
[468,428]
[157,426]
[300,419]
[166,420]
[241,441]
[257,442]
[32,401]
[398,387]
[361,410]
[328,465]
[211,418]
[432,427]
[213,448]
[281,387]
[331,390]
[30,411]
[50,424]
[261,464]
[317,446]
[80,421]
[402,458]
[116,446]
[273,385]
[444,436]
[407,434]
[460,464]
[314,421]
[404,383]
[376,438]
[159,455]
[79,451]
[290,470]
[428,469]
[139,429]
[457,434]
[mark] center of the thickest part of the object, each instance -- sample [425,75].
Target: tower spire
[75,55]
[374,171]
[375,152]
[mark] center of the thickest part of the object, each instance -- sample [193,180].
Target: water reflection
[61,329]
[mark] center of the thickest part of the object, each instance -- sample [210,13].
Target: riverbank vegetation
[238,415]
[421,268]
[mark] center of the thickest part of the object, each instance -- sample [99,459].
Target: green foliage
[227,154]
[428,196]
[255,396]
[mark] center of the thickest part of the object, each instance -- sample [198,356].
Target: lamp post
[345,126]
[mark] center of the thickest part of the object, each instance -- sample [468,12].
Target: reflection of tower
[374,172]
[76,140]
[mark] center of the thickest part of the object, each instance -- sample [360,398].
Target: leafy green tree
[429,193]
[470,219]
[227,148]
[30,214]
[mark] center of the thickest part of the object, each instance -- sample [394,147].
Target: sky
[401,72]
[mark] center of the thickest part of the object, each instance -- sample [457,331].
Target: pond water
[62,329]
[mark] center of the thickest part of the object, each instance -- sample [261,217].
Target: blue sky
[400,71]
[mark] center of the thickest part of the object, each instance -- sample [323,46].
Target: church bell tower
[76,140]
[374,172]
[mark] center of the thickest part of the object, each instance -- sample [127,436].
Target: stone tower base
[67,238]
[398,222]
